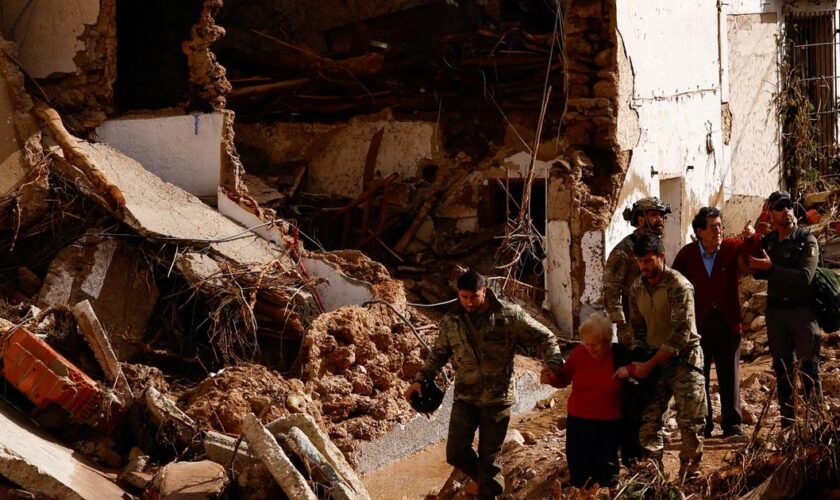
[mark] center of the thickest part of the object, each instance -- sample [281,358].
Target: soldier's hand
[413,388]
[547,376]
[762,263]
[622,372]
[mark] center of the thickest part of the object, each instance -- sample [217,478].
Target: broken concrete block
[275,459]
[164,412]
[157,209]
[132,474]
[191,481]
[319,466]
[219,448]
[31,459]
[98,341]
[114,277]
[324,445]
[513,440]
[337,289]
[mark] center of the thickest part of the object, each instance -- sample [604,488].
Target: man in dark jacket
[788,263]
[481,336]
[711,264]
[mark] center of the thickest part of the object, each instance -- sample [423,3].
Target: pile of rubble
[167,348]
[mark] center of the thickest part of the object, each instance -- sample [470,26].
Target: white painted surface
[738,210]
[184,150]
[671,192]
[753,6]
[558,274]
[592,248]
[47,33]
[340,289]
[753,78]
[232,210]
[673,52]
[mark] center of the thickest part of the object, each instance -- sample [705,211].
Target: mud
[357,363]
[221,402]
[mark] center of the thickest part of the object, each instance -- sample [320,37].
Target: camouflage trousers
[624,335]
[483,467]
[685,383]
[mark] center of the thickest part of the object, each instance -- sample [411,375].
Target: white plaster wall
[184,150]
[754,145]
[558,274]
[592,248]
[673,52]
[47,33]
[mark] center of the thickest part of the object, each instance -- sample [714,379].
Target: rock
[751,382]
[513,440]
[748,317]
[746,416]
[132,474]
[191,480]
[671,423]
[561,423]
[545,404]
[529,436]
[530,473]
[758,303]
[759,323]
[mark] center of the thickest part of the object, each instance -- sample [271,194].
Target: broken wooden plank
[370,159]
[324,471]
[415,225]
[98,341]
[275,460]
[108,192]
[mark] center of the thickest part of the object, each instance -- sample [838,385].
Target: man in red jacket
[713,265]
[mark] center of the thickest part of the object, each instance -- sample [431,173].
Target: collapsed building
[148,143]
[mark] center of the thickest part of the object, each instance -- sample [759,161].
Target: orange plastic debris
[813,216]
[46,377]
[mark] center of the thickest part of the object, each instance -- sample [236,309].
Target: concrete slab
[184,150]
[36,462]
[157,209]
[738,210]
[114,277]
[421,432]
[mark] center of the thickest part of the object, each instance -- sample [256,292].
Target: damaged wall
[676,93]
[753,52]
[335,153]
[24,185]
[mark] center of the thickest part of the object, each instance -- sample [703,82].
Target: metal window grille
[814,45]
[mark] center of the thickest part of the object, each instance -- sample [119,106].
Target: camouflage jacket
[619,274]
[485,377]
[663,316]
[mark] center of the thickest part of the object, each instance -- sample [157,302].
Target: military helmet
[645,205]
[430,397]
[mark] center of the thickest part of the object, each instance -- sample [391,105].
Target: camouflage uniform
[484,386]
[619,274]
[662,317]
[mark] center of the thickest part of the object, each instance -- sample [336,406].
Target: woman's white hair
[598,325]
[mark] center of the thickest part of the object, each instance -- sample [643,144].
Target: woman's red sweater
[595,392]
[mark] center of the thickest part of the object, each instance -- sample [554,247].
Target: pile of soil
[357,363]
[221,401]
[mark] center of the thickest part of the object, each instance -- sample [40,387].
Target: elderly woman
[594,427]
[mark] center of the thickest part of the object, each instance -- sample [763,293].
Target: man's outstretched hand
[547,376]
[411,390]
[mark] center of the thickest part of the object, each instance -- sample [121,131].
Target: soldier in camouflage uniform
[662,319]
[648,216]
[481,337]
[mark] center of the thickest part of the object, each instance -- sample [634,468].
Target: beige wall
[754,146]
[47,32]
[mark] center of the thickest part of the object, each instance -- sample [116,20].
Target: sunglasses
[782,205]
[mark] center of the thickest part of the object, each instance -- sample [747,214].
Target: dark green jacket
[485,377]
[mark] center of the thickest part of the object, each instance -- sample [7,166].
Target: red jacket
[720,290]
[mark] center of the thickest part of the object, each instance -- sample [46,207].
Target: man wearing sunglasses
[788,263]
